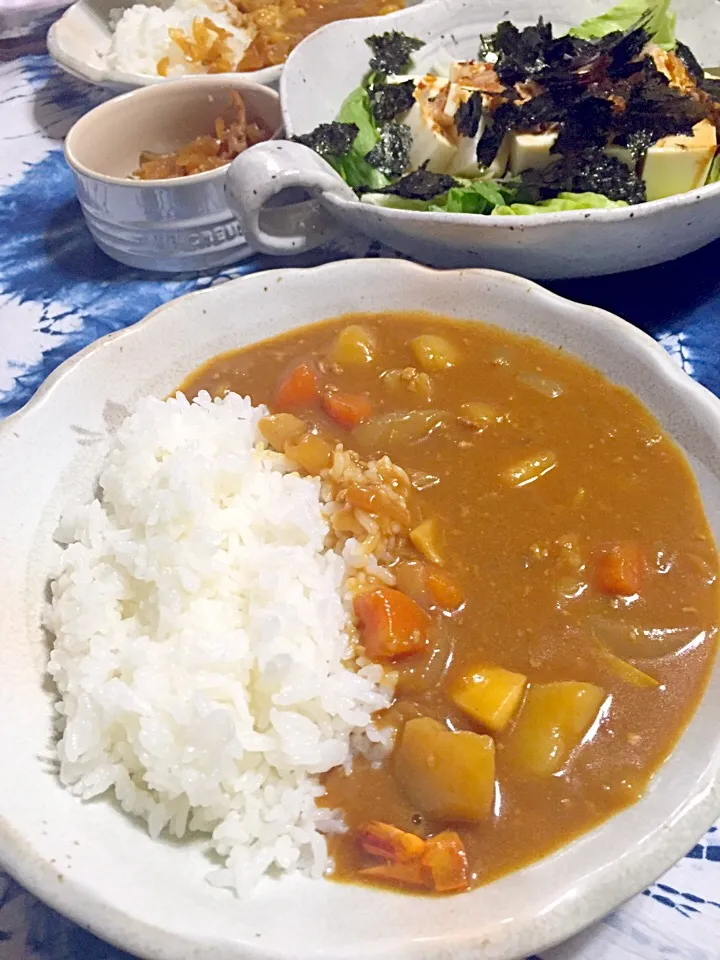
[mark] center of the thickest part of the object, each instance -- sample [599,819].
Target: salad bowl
[331,63]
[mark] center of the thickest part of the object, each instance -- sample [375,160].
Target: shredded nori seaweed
[593,93]
[469,115]
[521,53]
[637,143]
[533,53]
[391,51]
[330,139]
[685,54]
[489,144]
[387,100]
[532,116]
[421,185]
[590,171]
[392,151]
[657,108]
[711,86]
[587,123]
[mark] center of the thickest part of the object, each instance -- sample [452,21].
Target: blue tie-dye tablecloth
[58,293]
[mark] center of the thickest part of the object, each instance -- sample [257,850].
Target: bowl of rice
[197,835]
[150,167]
[124,46]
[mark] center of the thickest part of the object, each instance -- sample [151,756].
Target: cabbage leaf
[623,16]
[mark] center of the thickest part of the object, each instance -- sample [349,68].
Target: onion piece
[542,385]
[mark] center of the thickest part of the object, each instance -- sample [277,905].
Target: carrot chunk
[391,624]
[446,861]
[445,592]
[347,409]
[620,570]
[389,842]
[298,388]
[410,874]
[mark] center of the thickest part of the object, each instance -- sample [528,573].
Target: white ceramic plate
[328,65]
[80,38]
[93,863]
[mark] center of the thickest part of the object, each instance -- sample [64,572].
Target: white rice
[200,641]
[140,38]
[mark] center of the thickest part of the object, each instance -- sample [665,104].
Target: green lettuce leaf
[470,196]
[353,167]
[714,174]
[625,14]
[478,196]
[399,203]
[563,201]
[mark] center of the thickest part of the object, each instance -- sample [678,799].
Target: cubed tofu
[489,695]
[465,162]
[433,142]
[554,719]
[678,164]
[447,775]
[531,151]
[430,145]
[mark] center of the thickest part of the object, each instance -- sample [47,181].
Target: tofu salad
[615,112]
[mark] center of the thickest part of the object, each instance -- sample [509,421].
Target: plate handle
[259,174]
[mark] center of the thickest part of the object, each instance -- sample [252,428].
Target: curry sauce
[569,533]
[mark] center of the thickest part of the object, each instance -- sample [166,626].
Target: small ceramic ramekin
[176,225]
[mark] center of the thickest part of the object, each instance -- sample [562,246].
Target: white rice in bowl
[141,38]
[202,649]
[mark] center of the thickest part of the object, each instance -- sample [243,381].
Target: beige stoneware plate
[100,868]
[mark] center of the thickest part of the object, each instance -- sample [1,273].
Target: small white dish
[78,41]
[167,225]
[100,868]
[329,64]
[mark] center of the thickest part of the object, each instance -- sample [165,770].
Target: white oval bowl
[79,39]
[325,67]
[99,867]
[173,225]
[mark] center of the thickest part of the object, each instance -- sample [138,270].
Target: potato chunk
[433,353]
[425,538]
[282,428]
[311,453]
[554,719]
[353,346]
[490,695]
[447,775]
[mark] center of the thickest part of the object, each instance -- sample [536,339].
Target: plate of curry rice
[374,598]
[123,45]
